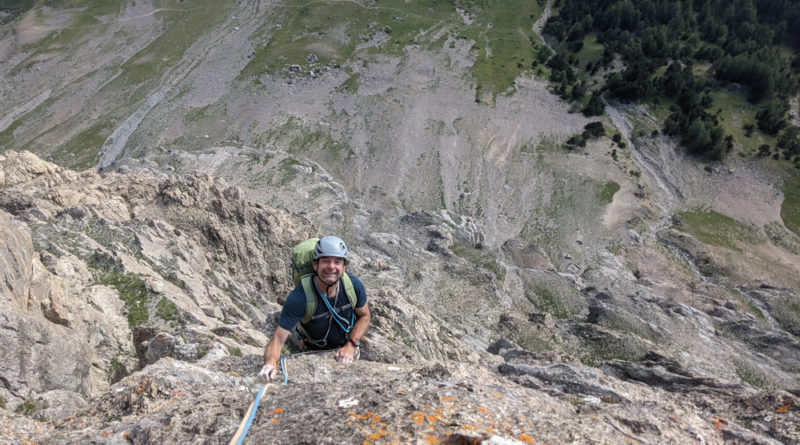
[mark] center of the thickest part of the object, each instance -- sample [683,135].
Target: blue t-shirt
[295,307]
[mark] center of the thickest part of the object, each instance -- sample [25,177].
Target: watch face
[355,342]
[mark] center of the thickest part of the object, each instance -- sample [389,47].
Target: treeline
[17,7]
[663,43]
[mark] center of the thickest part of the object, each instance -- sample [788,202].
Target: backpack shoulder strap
[349,290]
[311,298]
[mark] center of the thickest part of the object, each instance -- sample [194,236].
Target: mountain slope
[161,288]
[206,139]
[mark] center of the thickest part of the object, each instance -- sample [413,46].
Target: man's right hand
[267,373]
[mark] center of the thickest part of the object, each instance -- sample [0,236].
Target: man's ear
[315,264]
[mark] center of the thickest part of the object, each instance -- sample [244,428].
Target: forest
[678,53]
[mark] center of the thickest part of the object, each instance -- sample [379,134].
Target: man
[335,323]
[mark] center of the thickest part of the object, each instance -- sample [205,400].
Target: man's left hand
[345,353]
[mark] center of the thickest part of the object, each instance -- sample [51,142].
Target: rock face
[134,308]
[374,402]
[78,252]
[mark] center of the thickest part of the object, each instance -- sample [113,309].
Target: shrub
[749,374]
[167,310]
[30,407]
[594,130]
[575,141]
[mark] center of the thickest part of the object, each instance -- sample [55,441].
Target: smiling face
[329,269]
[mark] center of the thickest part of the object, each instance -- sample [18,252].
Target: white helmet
[330,246]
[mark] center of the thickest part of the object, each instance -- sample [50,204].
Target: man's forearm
[270,353]
[273,350]
[360,327]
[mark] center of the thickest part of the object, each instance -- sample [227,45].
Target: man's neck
[329,291]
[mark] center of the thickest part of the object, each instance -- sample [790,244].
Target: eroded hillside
[580,285]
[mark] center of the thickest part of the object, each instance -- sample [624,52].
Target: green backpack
[303,272]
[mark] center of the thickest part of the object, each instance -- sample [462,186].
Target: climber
[329,309]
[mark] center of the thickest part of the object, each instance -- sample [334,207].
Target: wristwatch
[355,342]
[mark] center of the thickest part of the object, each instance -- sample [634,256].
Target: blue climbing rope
[283,369]
[238,438]
[335,315]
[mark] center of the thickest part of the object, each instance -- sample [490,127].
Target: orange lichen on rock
[432,440]
[376,435]
[436,416]
[524,438]
[785,408]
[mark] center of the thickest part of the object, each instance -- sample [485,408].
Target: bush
[771,117]
[752,375]
[594,130]
[595,106]
[30,407]
[789,140]
[575,141]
